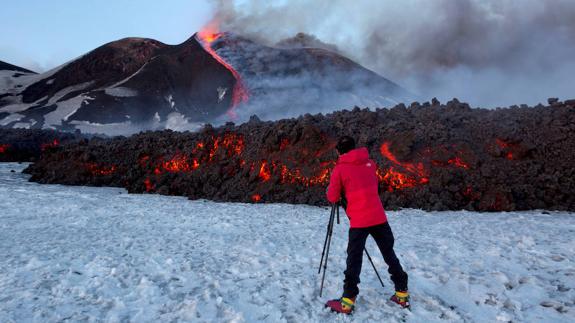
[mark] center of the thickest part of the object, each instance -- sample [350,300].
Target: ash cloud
[488,52]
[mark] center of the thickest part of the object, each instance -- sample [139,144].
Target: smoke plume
[487,52]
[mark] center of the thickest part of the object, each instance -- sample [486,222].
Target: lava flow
[3,148]
[507,147]
[99,170]
[52,144]
[398,180]
[240,94]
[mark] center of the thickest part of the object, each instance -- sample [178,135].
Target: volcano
[136,84]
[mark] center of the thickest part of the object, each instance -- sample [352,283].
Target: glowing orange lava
[284,143]
[416,169]
[149,185]
[179,163]
[256,198]
[207,37]
[98,170]
[3,148]
[229,145]
[396,180]
[508,148]
[54,143]
[288,176]
[458,162]
[265,173]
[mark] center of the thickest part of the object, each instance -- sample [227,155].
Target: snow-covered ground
[71,254]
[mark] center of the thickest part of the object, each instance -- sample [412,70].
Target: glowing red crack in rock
[240,93]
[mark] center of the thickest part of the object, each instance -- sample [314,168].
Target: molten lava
[54,143]
[98,170]
[416,169]
[507,147]
[179,163]
[415,173]
[288,176]
[207,37]
[471,194]
[148,184]
[284,144]
[396,180]
[265,173]
[3,148]
[228,148]
[458,162]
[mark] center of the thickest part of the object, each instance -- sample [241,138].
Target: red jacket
[354,177]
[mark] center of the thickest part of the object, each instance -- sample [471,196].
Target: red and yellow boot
[401,298]
[343,305]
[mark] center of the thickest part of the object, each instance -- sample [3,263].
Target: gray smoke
[487,52]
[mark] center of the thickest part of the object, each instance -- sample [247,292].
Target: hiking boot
[401,298]
[343,305]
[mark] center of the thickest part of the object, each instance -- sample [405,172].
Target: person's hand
[343,202]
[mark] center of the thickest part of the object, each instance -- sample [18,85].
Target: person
[354,182]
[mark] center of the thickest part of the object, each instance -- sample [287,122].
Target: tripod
[327,244]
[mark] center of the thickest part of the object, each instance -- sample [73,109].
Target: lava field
[429,156]
[26,145]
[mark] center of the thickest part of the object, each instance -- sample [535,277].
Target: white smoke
[487,52]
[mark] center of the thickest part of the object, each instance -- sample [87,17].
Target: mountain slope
[135,84]
[287,82]
[9,67]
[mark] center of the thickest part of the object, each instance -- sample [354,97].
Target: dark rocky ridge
[25,145]
[9,67]
[430,156]
[152,70]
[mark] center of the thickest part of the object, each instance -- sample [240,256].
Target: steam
[487,52]
[289,83]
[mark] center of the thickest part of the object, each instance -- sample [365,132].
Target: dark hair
[345,144]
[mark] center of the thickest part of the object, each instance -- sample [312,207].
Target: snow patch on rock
[122,92]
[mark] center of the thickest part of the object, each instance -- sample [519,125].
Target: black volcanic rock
[184,74]
[103,66]
[25,145]
[9,67]
[431,157]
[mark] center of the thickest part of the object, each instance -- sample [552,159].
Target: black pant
[383,236]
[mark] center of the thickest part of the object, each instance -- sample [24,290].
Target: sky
[486,52]
[41,34]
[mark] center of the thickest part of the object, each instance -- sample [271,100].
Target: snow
[111,129]
[100,254]
[136,73]
[65,91]
[64,110]
[122,92]
[178,122]
[170,100]
[11,118]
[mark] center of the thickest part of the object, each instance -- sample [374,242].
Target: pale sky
[42,34]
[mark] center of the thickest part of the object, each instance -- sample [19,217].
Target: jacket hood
[356,156]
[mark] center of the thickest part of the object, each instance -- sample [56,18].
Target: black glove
[343,203]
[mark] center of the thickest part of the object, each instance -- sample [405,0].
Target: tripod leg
[325,265]
[329,223]
[371,261]
[329,234]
